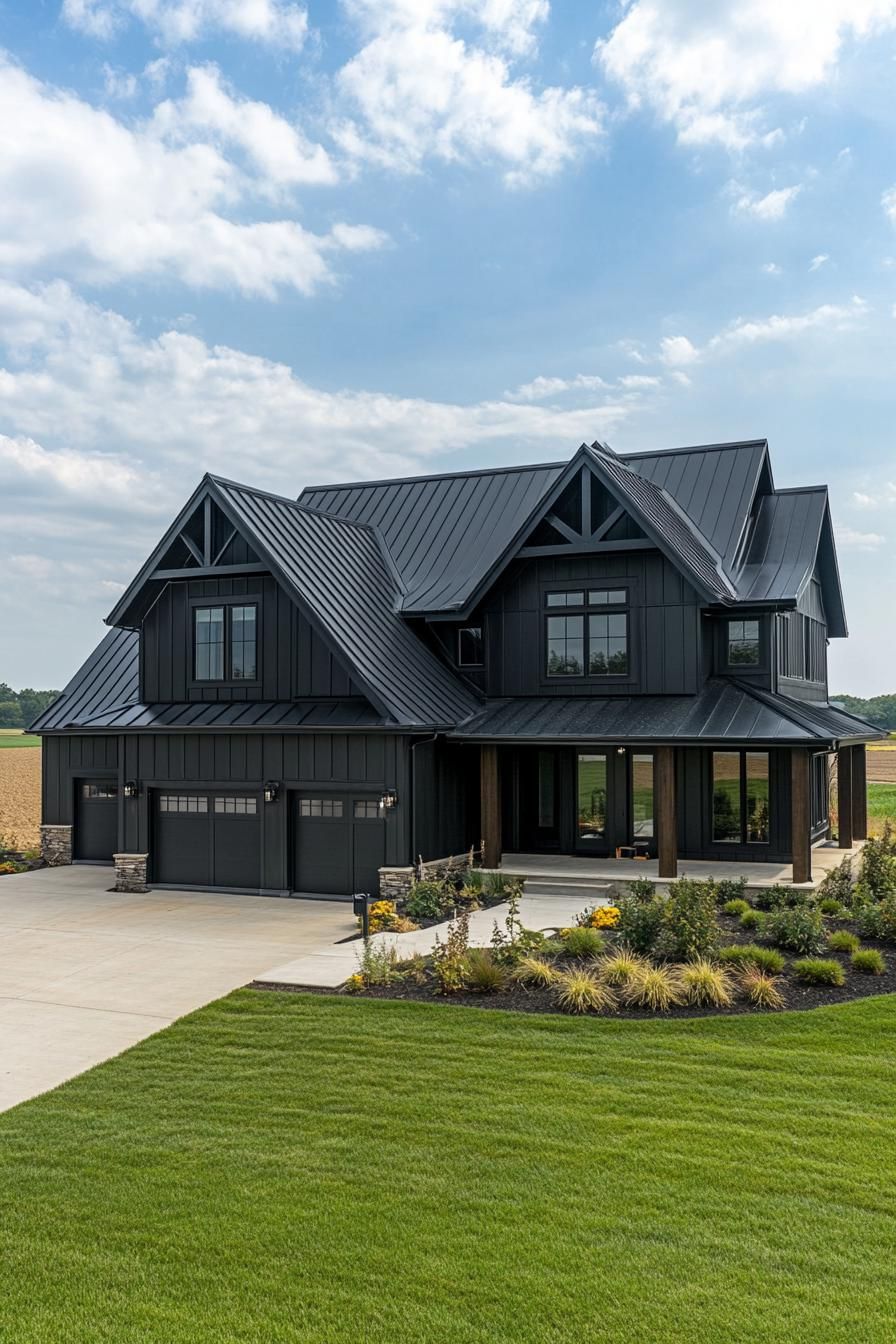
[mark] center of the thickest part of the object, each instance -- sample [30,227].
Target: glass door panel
[591,802]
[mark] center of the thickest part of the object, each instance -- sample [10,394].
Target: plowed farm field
[20,796]
[882,765]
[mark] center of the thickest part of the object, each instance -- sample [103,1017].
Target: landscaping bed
[701,949]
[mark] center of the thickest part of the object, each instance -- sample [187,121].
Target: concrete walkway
[85,972]
[331,967]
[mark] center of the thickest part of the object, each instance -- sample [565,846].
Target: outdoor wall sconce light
[130,788]
[620,751]
[272,790]
[388,800]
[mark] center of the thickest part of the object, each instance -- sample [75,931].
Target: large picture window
[594,641]
[225,643]
[740,798]
[642,796]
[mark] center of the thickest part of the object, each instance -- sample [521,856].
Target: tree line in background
[879,710]
[19,709]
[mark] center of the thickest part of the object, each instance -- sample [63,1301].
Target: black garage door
[339,843]
[207,839]
[96,819]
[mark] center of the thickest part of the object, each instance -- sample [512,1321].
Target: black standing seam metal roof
[723,711]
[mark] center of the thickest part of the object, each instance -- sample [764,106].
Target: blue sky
[381,236]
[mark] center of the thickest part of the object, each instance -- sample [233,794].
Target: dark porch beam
[859,794]
[207,571]
[666,812]
[844,798]
[800,818]
[490,805]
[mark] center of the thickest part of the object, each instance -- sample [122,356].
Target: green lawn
[14,737]
[882,801]
[290,1168]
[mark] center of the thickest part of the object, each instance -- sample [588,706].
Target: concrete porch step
[587,888]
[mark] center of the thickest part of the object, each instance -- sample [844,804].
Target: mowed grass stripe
[303,1168]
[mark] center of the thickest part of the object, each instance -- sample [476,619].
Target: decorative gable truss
[585,516]
[206,541]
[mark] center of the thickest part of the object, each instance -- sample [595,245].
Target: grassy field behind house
[17,737]
[298,1168]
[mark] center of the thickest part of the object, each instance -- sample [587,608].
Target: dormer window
[743,643]
[225,643]
[469,646]
[591,637]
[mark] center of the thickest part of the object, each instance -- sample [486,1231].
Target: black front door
[593,799]
[339,843]
[96,819]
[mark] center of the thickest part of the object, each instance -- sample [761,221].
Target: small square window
[576,599]
[604,597]
[470,646]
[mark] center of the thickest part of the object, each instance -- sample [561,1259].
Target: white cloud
[888,201]
[778,327]
[540,388]
[417,90]
[884,494]
[710,69]
[275,22]
[676,351]
[278,150]
[817,262]
[772,206]
[849,539]
[119,83]
[634,382]
[771,268]
[103,200]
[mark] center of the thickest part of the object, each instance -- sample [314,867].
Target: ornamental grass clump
[658,988]
[706,985]
[819,971]
[761,989]
[582,943]
[621,967]
[868,961]
[579,991]
[751,919]
[484,974]
[535,972]
[800,930]
[751,954]
[842,941]
[831,907]
[736,907]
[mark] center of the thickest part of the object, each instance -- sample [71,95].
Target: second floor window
[593,641]
[469,646]
[225,645]
[743,643]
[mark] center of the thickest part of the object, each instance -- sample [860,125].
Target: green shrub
[878,920]
[736,907]
[579,942]
[484,974]
[706,984]
[837,886]
[771,898]
[877,864]
[642,888]
[868,961]
[535,971]
[730,889]
[450,961]
[640,921]
[621,966]
[751,919]
[819,971]
[799,930]
[689,927]
[379,965]
[428,900]
[580,991]
[842,941]
[760,989]
[751,954]
[657,987]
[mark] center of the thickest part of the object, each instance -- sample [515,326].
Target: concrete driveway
[86,972]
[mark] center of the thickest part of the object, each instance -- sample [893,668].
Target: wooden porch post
[859,794]
[845,801]
[800,822]
[666,812]
[490,804]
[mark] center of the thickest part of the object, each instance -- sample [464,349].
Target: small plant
[832,908]
[582,942]
[706,984]
[580,991]
[473,878]
[378,965]
[355,983]
[469,898]
[868,961]
[382,916]
[819,971]
[484,974]
[427,900]
[837,886]
[877,865]
[771,898]
[621,967]
[689,919]
[642,889]
[736,907]
[761,989]
[640,918]
[731,889]
[878,920]
[496,883]
[751,919]
[843,941]
[8,866]
[535,972]
[598,917]
[449,958]
[657,987]
[799,930]
[413,969]
[751,954]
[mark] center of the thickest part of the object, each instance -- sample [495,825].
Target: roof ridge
[438,476]
[696,448]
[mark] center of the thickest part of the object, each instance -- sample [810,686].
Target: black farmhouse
[605,656]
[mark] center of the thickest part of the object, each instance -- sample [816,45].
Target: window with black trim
[320,807]
[740,798]
[237,807]
[743,644]
[99,790]
[225,642]
[368,809]
[470,646]
[594,641]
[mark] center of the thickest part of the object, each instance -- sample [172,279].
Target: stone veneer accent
[130,872]
[396,883]
[56,845]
